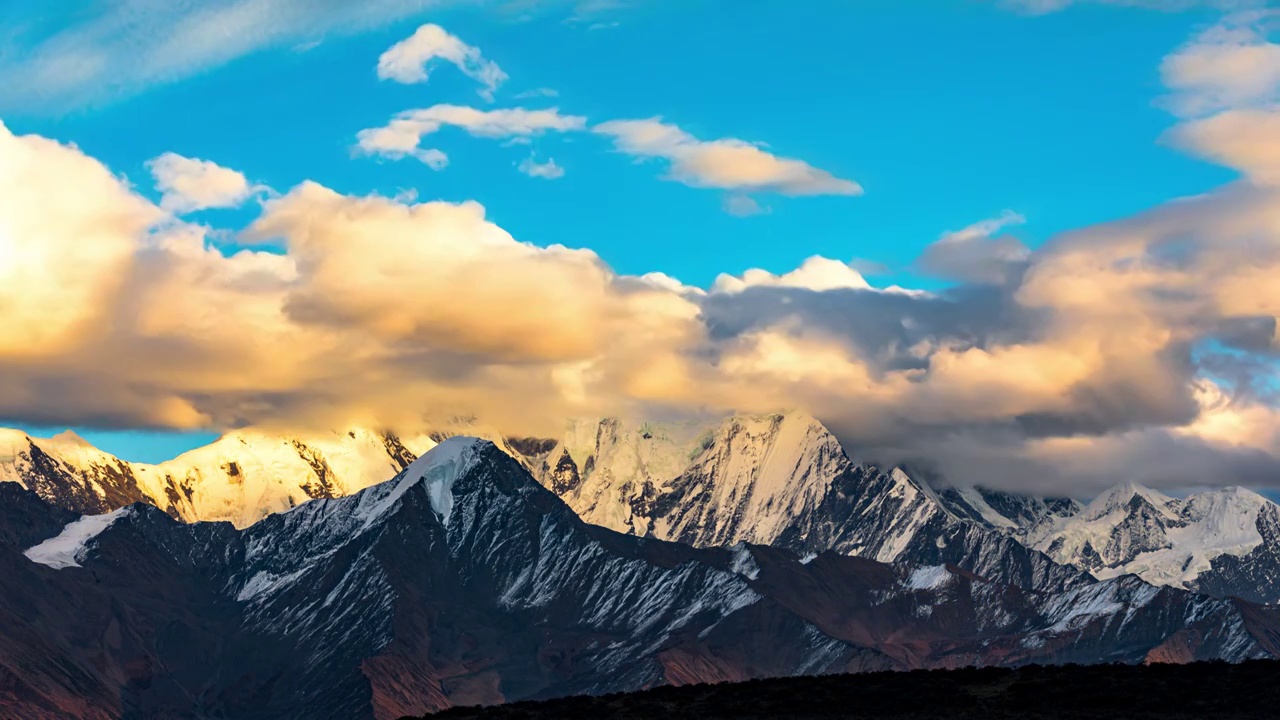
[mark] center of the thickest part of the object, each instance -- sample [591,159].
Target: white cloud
[403,135]
[1228,77]
[728,163]
[189,184]
[816,273]
[548,170]
[1229,66]
[408,61]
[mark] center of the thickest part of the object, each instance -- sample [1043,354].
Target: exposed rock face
[463,580]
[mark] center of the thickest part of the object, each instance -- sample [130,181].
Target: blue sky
[946,112]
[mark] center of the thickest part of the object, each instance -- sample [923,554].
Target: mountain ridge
[778,478]
[463,580]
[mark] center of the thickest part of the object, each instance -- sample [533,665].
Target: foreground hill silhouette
[1135,692]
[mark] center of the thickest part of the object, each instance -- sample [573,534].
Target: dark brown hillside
[1069,692]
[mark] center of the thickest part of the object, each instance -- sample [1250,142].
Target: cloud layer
[1142,349]
[1139,347]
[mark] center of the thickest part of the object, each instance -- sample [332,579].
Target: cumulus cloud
[402,137]
[548,170]
[977,254]
[1142,348]
[189,184]
[67,232]
[816,273]
[409,60]
[727,164]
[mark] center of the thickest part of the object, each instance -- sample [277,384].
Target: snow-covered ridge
[1131,529]
[438,469]
[241,478]
[763,479]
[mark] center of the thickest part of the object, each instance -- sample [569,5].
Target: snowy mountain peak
[1118,498]
[1131,529]
[440,467]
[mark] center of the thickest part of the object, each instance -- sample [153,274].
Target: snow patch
[931,577]
[68,547]
[744,563]
[267,583]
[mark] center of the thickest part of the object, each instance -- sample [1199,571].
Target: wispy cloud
[538,93]
[728,163]
[402,137]
[548,170]
[115,49]
[1041,7]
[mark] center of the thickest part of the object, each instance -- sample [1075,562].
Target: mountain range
[463,580]
[781,479]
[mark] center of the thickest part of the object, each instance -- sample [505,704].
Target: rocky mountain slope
[463,580]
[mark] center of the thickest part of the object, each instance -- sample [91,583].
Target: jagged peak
[1119,497]
[436,471]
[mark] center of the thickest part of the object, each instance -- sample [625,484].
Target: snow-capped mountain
[247,475]
[240,478]
[462,580]
[69,472]
[780,479]
[1222,541]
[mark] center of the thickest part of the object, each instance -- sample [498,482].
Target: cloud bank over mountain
[1142,347]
